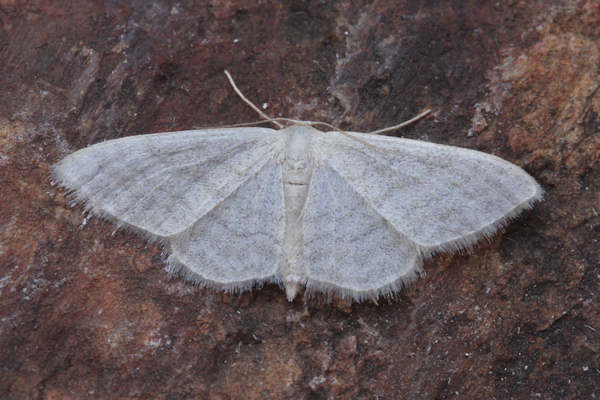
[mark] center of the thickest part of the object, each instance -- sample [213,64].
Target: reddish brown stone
[88,314]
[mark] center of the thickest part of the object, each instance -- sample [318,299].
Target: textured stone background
[84,314]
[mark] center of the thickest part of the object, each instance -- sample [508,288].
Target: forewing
[349,248]
[440,197]
[162,183]
[240,241]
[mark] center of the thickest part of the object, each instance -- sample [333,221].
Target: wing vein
[368,202]
[233,191]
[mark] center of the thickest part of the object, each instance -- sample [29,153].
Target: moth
[344,213]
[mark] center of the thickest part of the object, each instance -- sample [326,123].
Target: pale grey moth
[345,213]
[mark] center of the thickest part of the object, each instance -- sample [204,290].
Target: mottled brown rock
[88,314]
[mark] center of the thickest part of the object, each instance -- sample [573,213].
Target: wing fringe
[467,242]
[315,288]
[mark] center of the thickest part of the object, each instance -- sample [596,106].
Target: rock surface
[87,314]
